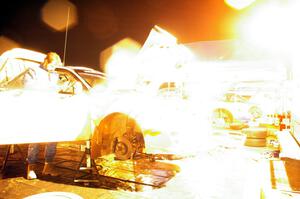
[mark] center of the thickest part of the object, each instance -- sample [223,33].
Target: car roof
[87,71]
[21,53]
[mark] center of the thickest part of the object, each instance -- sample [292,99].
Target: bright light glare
[158,37]
[161,59]
[273,27]
[23,53]
[239,4]
[177,129]
[172,125]
[214,179]
[118,62]
[58,128]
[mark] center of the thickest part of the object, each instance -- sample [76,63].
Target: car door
[39,114]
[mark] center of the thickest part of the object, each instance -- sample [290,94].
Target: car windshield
[92,79]
[13,70]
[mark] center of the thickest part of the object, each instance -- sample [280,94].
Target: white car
[84,107]
[41,113]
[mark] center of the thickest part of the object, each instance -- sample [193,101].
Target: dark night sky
[113,20]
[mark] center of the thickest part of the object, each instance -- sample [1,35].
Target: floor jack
[88,171]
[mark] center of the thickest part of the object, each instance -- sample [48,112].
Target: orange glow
[6,44]
[239,4]
[100,19]
[55,14]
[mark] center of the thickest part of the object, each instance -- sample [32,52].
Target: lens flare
[239,4]
[117,62]
[7,44]
[58,14]
[272,26]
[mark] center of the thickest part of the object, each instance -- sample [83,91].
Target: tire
[113,127]
[255,142]
[222,114]
[255,132]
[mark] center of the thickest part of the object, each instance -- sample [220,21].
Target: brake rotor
[123,149]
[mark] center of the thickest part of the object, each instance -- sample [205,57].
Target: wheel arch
[217,111]
[113,127]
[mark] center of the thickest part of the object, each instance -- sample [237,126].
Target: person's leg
[32,157]
[50,151]
[33,151]
[49,168]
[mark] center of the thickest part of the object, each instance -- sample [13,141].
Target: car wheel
[222,117]
[121,128]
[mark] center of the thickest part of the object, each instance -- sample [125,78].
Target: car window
[92,80]
[13,72]
[68,83]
